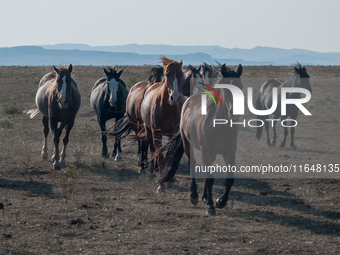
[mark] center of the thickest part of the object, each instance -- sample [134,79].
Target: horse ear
[199,69]
[70,68]
[106,72]
[120,72]
[181,63]
[56,69]
[239,70]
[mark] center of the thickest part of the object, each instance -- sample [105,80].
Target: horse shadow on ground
[266,196]
[34,188]
[115,174]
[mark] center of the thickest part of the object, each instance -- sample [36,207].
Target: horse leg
[208,159]
[209,183]
[152,149]
[144,155]
[292,131]
[157,138]
[222,201]
[65,141]
[139,154]
[44,153]
[283,143]
[266,126]
[274,136]
[56,136]
[102,124]
[117,151]
[205,194]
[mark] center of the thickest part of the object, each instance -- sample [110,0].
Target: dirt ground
[99,206]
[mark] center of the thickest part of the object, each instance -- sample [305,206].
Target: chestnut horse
[197,131]
[161,107]
[264,102]
[108,99]
[59,100]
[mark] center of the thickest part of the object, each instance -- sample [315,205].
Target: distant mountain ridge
[135,54]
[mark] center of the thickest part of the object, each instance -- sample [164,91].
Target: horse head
[173,79]
[63,85]
[209,73]
[301,72]
[113,80]
[232,77]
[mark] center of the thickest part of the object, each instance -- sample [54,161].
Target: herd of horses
[163,105]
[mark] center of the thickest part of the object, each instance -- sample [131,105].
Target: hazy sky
[304,24]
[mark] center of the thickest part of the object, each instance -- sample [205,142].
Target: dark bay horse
[59,100]
[161,107]
[197,131]
[108,99]
[265,98]
[133,119]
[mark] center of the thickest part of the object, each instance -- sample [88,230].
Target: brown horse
[59,100]
[197,131]
[161,107]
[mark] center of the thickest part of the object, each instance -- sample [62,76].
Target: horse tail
[259,128]
[174,152]
[33,113]
[121,129]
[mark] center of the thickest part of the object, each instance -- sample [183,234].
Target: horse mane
[300,70]
[169,64]
[157,70]
[215,72]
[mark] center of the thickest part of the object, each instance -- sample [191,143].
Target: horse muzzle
[174,100]
[63,104]
[112,103]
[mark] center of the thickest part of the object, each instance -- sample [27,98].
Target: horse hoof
[220,204]
[269,145]
[118,158]
[146,164]
[282,145]
[141,170]
[211,211]
[160,189]
[194,201]
[56,166]
[294,148]
[107,155]
[44,155]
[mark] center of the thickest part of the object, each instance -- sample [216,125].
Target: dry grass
[98,206]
